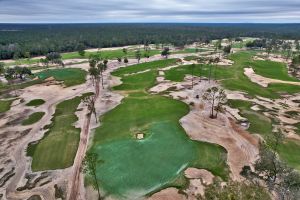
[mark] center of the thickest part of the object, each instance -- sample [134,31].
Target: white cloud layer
[76,11]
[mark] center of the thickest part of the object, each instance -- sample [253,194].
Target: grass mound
[33,118]
[35,102]
[70,76]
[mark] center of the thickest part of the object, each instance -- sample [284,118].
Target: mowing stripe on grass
[57,149]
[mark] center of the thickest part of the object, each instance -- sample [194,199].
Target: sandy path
[263,81]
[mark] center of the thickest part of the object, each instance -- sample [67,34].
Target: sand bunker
[263,81]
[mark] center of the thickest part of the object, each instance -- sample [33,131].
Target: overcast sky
[75,11]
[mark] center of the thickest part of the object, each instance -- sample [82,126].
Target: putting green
[133,168]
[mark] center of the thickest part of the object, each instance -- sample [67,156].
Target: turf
[33,118]
[5,105]
[35,102]
[109,54]
[144,66]
[259,123]
[57,149]
[70,76]
[273,70]
[289,151]
[233,78]
[133,168]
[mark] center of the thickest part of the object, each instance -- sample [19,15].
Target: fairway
[69,76]
[57,149]
[139,167]
[233,78]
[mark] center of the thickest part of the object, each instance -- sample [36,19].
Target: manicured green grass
[33,118]
[35,102]
[233,78]
[57,149]
[133,168]
[217,72]
[5,105]
[70,76]
[144,66]
[109,54]
[273,70]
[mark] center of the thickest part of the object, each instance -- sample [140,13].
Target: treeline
[28,40]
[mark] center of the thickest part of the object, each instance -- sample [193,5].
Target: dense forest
[28,40]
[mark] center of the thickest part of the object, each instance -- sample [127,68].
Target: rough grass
[4,88]
[70,76]
[33,118]
[35,102]
[57,149]
[289,151]
[135,170]
[259,123]
[5,105]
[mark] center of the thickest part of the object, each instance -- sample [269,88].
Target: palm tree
[193,67]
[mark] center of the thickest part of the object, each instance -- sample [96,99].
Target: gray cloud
[149,11]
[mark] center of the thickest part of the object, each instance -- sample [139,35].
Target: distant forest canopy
[28,40]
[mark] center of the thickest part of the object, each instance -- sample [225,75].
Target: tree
[89,165]
[81,50]
[297,45]
[165,52]
[276,175]
[201,60]
[193,68]
[89,101]
[138,55]
[45,62]
[234,191]
[119,59]
[124,51]
[218,46]
[214,96]
[102,66]
[81,53]
[2,68]
[10,76]
[55,58]
[126,61]
[227,49]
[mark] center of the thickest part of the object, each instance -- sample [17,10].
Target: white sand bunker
[263,81]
